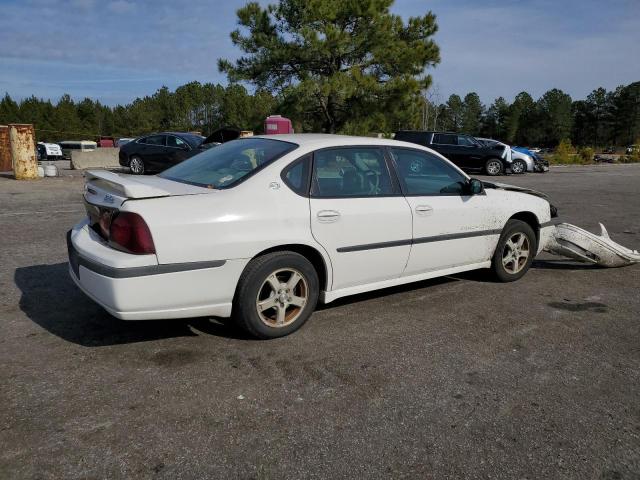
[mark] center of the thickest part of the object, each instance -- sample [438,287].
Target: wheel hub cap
[282,297]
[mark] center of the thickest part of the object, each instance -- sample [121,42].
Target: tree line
[191,107]
[603,118]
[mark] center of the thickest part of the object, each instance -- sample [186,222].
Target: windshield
[229,163]
[193,139]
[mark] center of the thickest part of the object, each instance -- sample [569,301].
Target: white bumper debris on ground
[574,242]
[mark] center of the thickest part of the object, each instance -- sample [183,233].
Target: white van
[84,145]
[49,151]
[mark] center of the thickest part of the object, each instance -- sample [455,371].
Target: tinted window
[350,172]
[175,142]
[445,139]
[155,140]
[193,139]
[227,164]
[414,137]
[424,174]
[296,175]
[467,141]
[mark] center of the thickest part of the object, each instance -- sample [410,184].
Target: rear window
[229,163]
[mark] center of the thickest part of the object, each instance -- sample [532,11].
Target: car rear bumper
[139,288]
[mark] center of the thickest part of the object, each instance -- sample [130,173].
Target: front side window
[422,173]
[445,139]
[175,142]
[350,172]
[229,163]
[466,141]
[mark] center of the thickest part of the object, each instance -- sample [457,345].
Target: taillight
[130,232]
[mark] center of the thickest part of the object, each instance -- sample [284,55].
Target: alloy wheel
[136,165]
[494,168]
[518,167]
[516,253]
[282,297]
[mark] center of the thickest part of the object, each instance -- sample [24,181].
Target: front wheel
[493,167]
[518,167]
[276,294]
[515,251]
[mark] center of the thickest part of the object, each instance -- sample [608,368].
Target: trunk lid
[105,192]
[111,190]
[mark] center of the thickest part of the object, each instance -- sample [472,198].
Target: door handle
[328,215]
[424,210]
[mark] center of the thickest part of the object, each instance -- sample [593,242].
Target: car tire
[136,165]
[493,167]
[276,294]
[518,167]
[515,252]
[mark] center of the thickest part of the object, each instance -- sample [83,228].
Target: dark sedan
[159,151]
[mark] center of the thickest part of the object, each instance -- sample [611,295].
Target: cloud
[121,6]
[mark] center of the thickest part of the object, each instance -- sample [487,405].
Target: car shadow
[50,298]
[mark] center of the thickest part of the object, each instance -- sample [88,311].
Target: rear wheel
[518,167]
[276,294]
[136,165]
[515,251]
[493,167]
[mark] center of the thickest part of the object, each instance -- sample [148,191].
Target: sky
[117,50]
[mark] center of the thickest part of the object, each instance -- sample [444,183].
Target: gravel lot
[450,378]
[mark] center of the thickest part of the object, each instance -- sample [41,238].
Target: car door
[469,153]
[447,145]
[359,216]
[154,152]
[178,150]
[450,227]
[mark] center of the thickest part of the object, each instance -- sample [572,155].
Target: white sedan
[260,229]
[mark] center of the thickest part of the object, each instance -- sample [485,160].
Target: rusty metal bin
[23,151]
[5,150]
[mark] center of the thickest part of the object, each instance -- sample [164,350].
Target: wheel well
[310,253]
[531,220]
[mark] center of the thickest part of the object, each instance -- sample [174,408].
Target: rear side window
[296,175]
[445,139]
[155,140]
[422,173]
[350,172]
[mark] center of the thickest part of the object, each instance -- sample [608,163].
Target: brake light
[130,232]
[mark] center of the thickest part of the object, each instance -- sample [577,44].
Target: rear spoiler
[125,184]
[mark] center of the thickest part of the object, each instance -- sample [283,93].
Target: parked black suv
[463,150]
[159,151]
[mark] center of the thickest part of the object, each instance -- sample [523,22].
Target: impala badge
[108,198]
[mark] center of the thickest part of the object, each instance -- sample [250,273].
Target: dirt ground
[457,377]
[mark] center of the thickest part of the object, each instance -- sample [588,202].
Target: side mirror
[475,187]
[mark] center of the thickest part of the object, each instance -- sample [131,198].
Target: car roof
[319,140]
